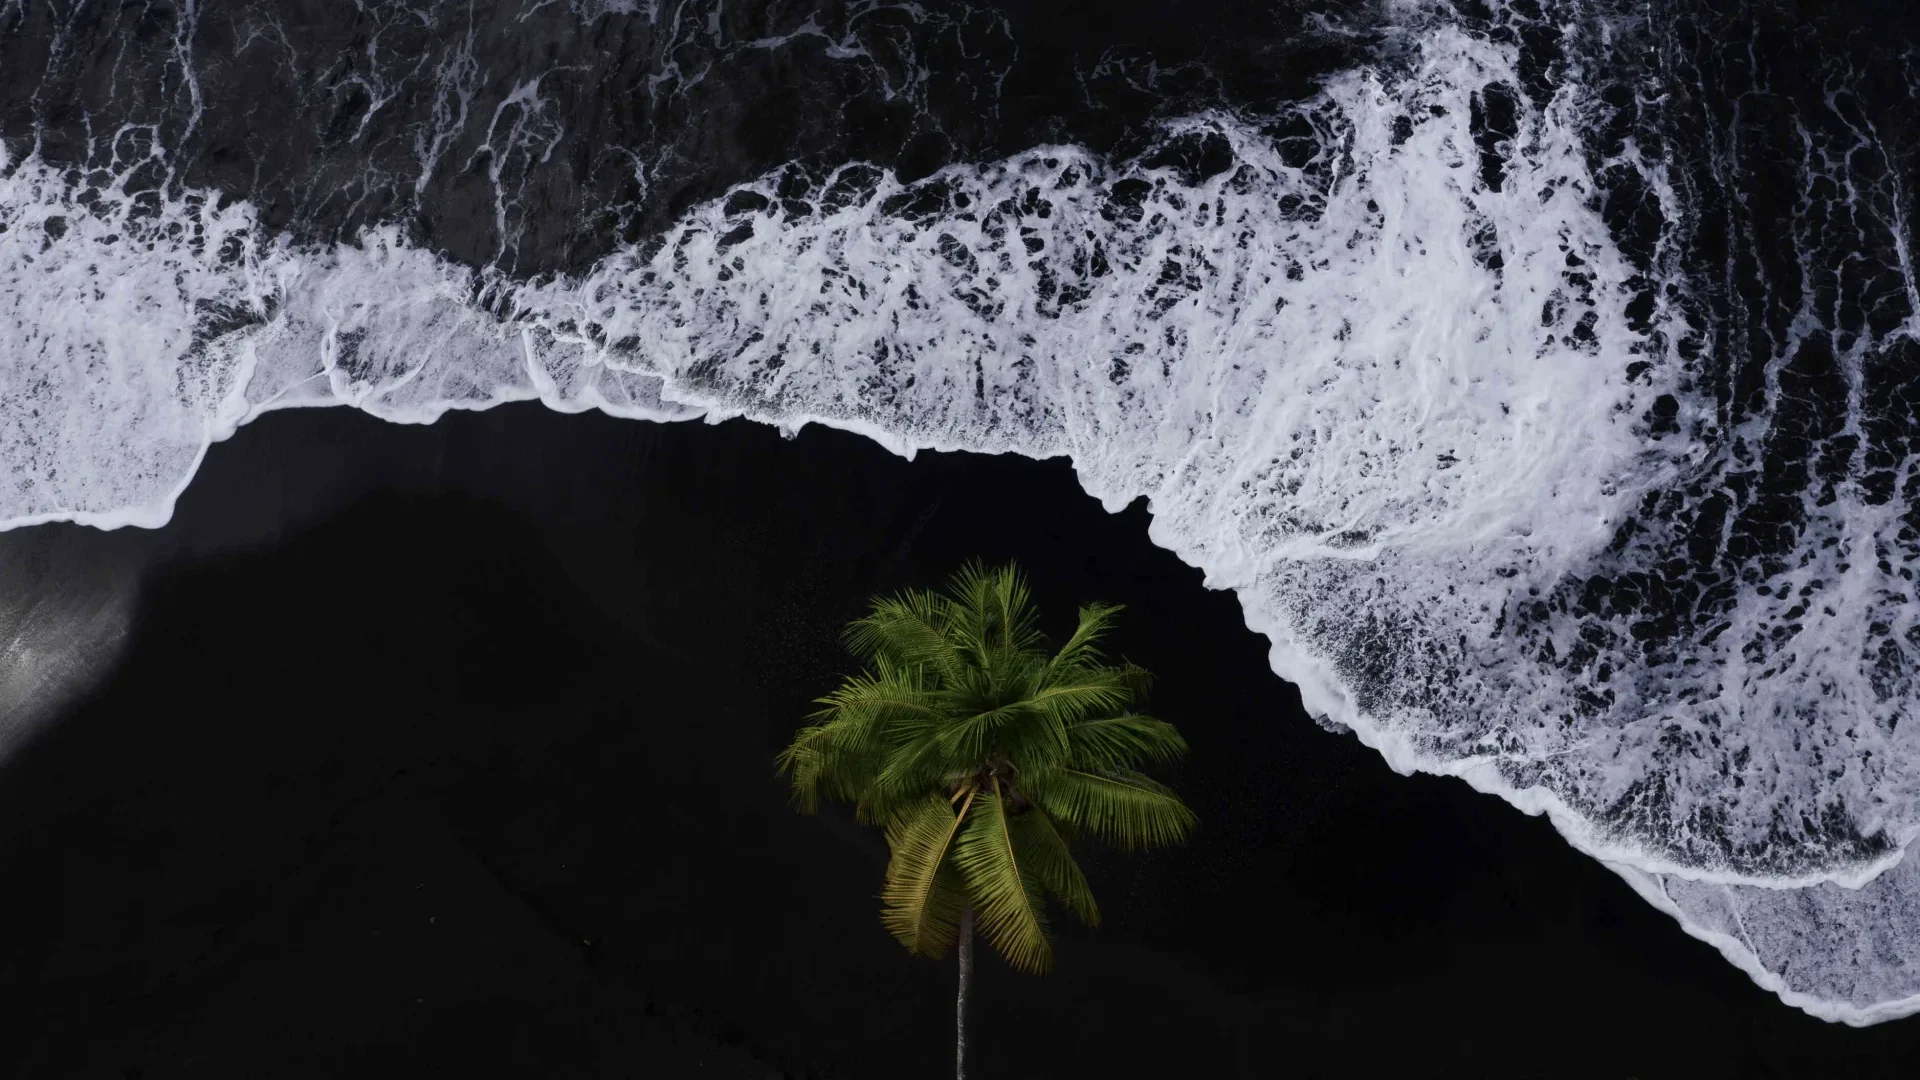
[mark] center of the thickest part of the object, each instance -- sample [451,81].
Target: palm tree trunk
[960,1006]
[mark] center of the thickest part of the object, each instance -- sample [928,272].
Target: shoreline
[615,561]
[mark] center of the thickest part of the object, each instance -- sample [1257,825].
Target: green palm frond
[912,629]
[1052,864]
[1083,648]
[1082,694]
[1014,611]
[924,894]
[968,738]
[841,754]
[998,605]
[805,762]
[1123,742]
[915,771]
[1120,806]
[1006,894]
[822,764]
[864,705]
[1137,679]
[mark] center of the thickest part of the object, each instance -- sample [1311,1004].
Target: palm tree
[983,755]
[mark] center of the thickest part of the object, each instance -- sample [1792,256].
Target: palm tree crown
[983,755]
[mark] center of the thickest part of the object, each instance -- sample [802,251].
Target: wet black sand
[446,751]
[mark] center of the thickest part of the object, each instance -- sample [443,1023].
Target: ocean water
[1544,378]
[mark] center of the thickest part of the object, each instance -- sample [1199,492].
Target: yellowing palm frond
[1052,864]
[1006,894]
[924,896]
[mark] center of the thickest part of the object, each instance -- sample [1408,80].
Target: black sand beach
[447,751]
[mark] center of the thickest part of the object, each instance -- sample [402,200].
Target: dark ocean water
[1539,381]
[447,751]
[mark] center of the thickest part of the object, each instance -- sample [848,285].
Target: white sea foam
[1387,405]
[137,330]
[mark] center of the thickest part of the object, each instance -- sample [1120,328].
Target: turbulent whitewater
[1545,448]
